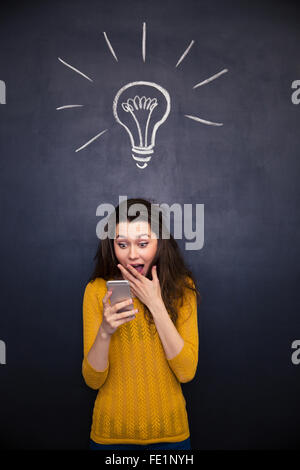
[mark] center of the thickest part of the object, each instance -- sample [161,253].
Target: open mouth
[138,267]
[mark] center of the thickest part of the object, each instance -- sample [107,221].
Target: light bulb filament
[140,104]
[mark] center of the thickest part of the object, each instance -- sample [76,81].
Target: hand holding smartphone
[120,310]
[120,292]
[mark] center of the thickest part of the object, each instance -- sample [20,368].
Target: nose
[132,252]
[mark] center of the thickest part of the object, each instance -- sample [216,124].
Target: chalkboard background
[246,391]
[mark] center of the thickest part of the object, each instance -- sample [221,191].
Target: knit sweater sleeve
[92,318]
[184,365]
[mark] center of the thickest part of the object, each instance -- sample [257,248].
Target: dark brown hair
[174,276]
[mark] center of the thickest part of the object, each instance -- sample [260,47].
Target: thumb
[106,297]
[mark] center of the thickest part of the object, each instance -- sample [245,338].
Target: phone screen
[120,291]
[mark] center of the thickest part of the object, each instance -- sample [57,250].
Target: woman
[138,359]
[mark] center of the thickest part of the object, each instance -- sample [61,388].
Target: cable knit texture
[139,399]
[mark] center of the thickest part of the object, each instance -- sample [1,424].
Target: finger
[127,320]
[119,317]
[127,274]
[122,304]
[106,297]
[130,313]
[135,272]
[133,292]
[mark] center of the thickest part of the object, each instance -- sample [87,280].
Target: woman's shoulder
[189,289]
[98,284]
[187,282]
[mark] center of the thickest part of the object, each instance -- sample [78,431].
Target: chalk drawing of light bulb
[141,108]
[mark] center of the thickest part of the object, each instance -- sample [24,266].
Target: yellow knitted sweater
[140,399]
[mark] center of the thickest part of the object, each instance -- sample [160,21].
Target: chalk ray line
[211,78]
[144,42]
[110,46]
[90,141]
[70,106]
[210,123]
[76,70]
[185,53]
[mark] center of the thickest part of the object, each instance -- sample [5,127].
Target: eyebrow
[139,236]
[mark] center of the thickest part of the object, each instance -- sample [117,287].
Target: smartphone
[120,291]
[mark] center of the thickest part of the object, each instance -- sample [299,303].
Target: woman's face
[135,244]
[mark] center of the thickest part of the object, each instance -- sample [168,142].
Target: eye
[142,245]
[122,245]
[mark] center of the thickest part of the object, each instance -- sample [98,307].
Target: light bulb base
[143,150]
[142,161]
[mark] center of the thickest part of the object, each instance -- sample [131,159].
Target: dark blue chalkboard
[245,172]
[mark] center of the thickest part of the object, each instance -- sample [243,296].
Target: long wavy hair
[173,274]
